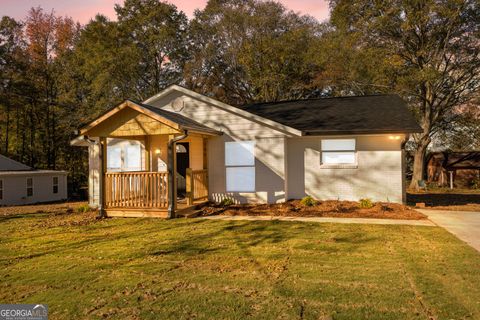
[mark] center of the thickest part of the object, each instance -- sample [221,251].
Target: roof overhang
[133,119]
[354,132]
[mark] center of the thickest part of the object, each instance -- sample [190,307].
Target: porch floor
[183,209]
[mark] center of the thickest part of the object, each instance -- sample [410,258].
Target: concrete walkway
[325,220]
[463,224]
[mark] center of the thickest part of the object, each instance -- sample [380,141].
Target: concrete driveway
[464,224]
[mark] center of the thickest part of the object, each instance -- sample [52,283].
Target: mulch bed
[329,208]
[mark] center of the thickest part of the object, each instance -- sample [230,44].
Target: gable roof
[184,122]
[7,164]
[224,106]
[342,115]
[175,120]
[339,115]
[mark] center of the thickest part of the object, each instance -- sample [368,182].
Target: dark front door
[183,162]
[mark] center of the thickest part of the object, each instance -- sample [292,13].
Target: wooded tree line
[56,74]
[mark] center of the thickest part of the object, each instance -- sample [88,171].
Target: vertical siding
[269,171]
[158,147]
[378,174]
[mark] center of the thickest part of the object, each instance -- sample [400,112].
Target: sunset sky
[83,10]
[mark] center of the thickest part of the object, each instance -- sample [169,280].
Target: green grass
[184,269]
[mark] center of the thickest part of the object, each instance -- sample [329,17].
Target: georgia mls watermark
[23,312]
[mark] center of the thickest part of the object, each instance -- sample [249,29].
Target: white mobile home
[20,184]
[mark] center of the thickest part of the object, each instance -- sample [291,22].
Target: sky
[84,10]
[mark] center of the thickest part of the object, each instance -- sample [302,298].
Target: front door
[183,162]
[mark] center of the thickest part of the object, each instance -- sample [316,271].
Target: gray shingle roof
[342,115]
[7,164]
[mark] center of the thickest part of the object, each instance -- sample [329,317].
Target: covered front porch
[152,162]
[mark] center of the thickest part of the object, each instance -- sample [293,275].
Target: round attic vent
[178,104]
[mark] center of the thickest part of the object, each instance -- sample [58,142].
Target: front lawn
[193,268]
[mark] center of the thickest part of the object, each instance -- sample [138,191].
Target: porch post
[172,174]
[103,168]
[189,186]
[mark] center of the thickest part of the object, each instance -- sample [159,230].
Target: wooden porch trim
[133,106]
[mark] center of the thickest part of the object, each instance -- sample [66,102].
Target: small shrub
[366,203]
[227,202]
[308,201]
[475,183]
[83,208]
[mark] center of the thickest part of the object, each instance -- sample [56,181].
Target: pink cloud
[84,10]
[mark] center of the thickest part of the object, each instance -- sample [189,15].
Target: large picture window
[124,155]
[240,166]
[338,152]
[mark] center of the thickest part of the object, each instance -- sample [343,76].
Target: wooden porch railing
[136,190]
[196,185]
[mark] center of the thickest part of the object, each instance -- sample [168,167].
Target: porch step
[189,213]
[192,211]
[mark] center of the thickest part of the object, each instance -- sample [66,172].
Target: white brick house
[333,148]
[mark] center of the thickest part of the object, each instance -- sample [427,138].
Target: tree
[249,50]
[12,73]
[48,38]
[156,34]
[431,49]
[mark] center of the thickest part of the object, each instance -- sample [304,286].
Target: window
[124,155]
[55,184]
[133,157]
[240,166]
[114,158]
[1,189]
[338,152]
[29,187]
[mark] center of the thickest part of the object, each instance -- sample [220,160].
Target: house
[179,148]
[454,168]
[21,184]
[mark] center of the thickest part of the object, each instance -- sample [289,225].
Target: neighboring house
[333,148]
[20,184]
[461,169]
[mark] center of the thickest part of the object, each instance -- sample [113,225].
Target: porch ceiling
[136,119]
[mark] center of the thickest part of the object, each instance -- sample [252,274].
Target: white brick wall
[378,175]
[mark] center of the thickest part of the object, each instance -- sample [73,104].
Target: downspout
[404,171]
[172,194]
[101,208]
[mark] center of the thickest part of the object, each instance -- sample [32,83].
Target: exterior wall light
[394,137]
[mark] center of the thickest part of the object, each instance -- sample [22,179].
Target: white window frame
[122,145]
[55,185]
[29,187]
[232,166]
[338,150]
[109,158]
[1,189]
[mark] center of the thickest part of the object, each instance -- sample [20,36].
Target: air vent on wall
[178,104]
